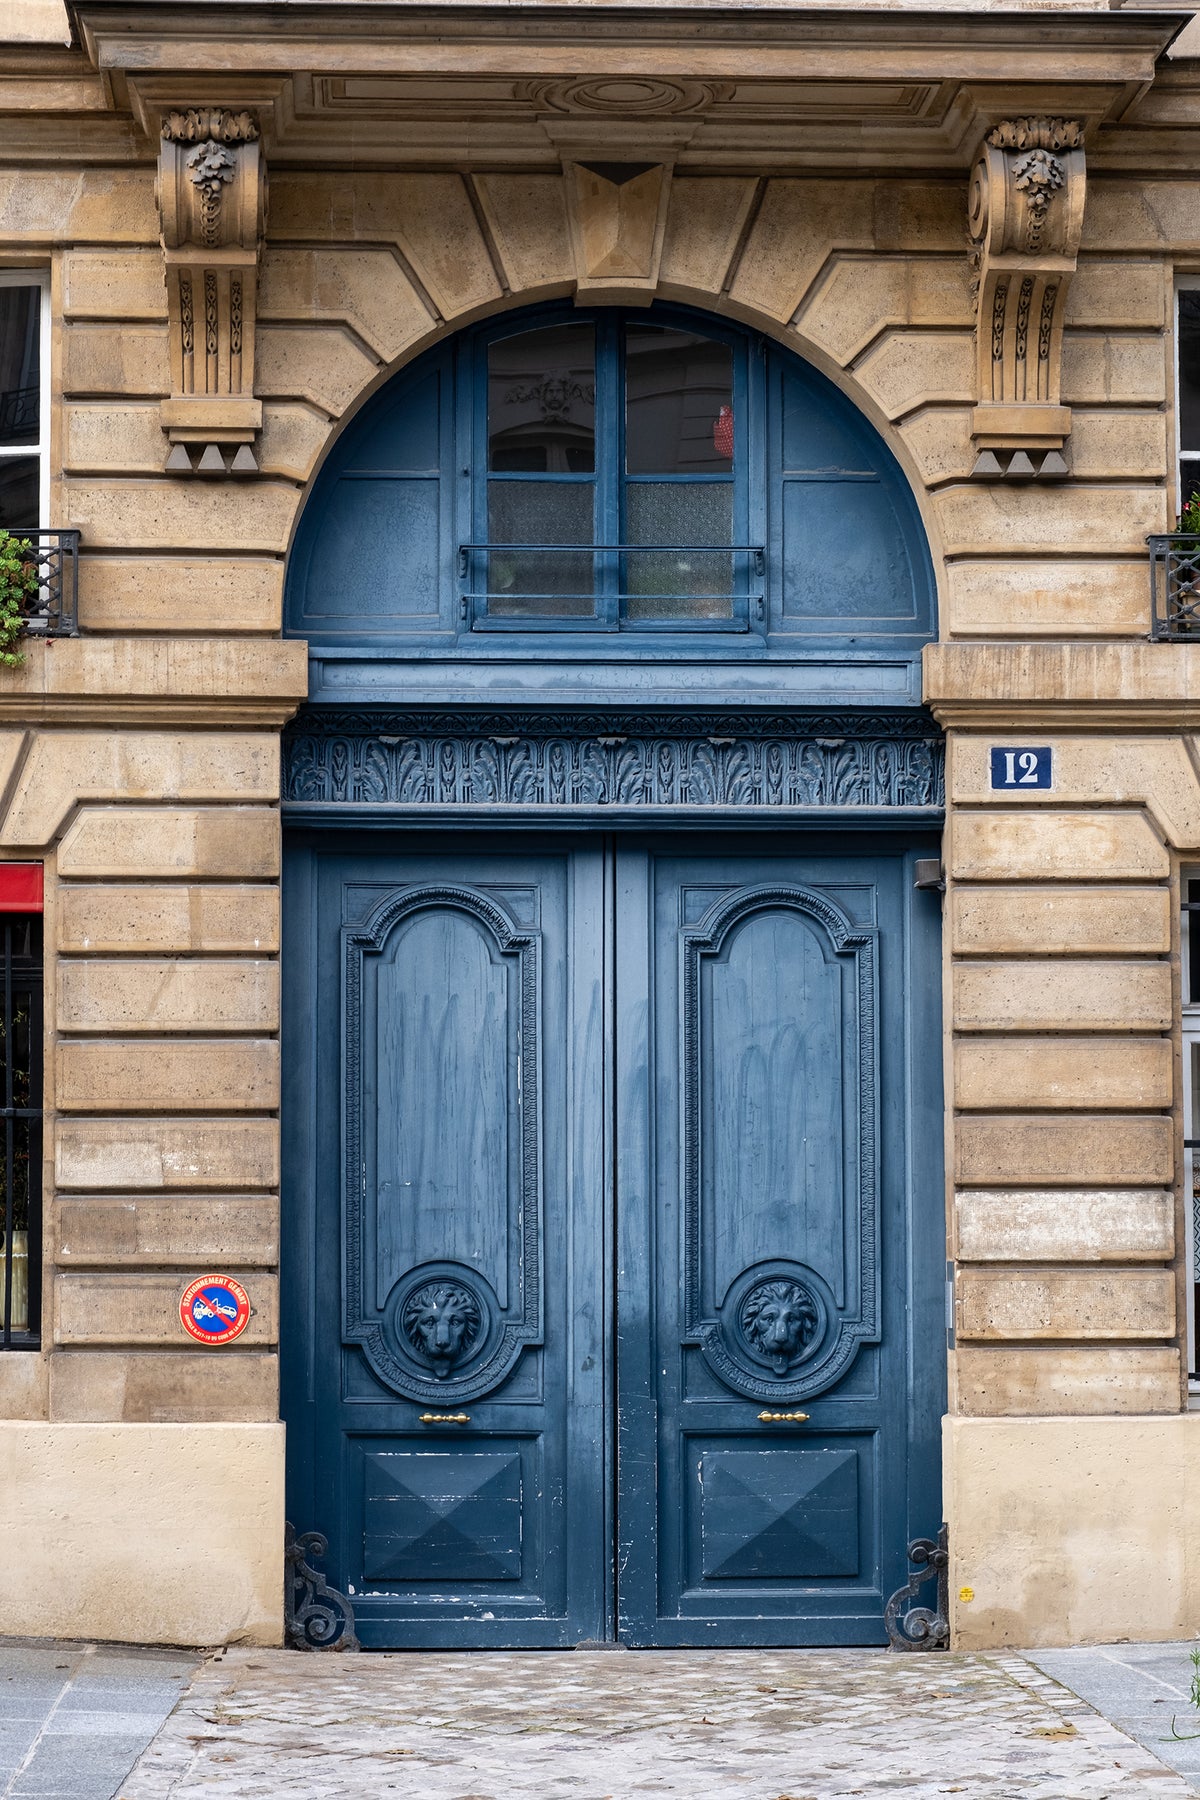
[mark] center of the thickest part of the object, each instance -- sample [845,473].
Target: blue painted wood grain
[501,1530]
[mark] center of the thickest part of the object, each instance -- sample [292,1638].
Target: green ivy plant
[19,586]
[1189,518]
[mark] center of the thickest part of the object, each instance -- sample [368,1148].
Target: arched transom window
[651,474]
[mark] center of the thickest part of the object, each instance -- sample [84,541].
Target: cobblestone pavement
[614,1725]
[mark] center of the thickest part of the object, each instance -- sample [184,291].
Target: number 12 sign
[1022,767]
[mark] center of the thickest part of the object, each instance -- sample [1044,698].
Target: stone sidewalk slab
[619,1725]
[74,1718]
[1143,1689]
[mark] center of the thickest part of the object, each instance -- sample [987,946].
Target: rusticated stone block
[207,995]
[792,235]
[1067,921]
[1074,1151]
[1124,293]
[995,599]
[1056,846]
[167,1075]
[63,767]
[1064,996]
[998,1382]
[1108,770]
[1072,1303]
[24,1384]
[116,1535]
[1065,1225]
[223,594]
[131,1230]
[365,289]
[527,218]
[293,437]
[986,518]
[1110,371]
[992,1074]
[74,205]
[173,515]
[432,219]
[862,296]
[907,369]
[105,437]
[108,1155]
[101,359]
[137,840]
[114,284]
[143,1308]
[1118,446]
[94,920]
[1071,1530]
[163,1386]
[302,362]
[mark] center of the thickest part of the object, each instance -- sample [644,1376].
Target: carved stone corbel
[212,205]
[1025,217]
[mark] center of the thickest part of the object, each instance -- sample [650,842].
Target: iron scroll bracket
[922,1627]
[315,1615]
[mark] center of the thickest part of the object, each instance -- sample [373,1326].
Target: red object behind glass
[723,433]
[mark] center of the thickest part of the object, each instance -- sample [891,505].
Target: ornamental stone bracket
[1025,217]
[212,204]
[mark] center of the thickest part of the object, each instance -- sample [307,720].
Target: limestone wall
[142,761]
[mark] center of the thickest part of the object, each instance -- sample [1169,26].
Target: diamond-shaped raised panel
[785,1512]
[432,1516]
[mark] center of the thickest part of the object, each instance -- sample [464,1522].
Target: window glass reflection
[1189,369]
[678,403]
[19,496]
[542,402]
[20,364]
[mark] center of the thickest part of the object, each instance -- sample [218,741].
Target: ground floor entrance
[614,1238]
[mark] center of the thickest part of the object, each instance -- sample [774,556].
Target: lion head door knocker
[779,1319]
[442,1321]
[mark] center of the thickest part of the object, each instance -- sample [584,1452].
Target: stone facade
[141,760]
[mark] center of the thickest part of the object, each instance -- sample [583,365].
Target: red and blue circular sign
[215,1309]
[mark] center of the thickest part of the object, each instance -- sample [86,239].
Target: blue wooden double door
[613,1233]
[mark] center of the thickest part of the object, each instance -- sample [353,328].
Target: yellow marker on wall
[966,1595]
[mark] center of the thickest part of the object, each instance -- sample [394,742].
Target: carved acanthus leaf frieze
[587,761]
[212,203]
[1025,216]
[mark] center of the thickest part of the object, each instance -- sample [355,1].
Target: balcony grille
[55,610]
[1175,587]
[611,587]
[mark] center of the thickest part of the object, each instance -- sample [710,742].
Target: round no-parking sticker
[215,1309]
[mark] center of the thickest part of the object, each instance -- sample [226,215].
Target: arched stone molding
[360,289]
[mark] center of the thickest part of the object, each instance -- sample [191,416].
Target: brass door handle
[445,1418]
[769,1418]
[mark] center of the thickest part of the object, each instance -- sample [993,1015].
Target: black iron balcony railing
[54,609]
[1175,587]
[611,587]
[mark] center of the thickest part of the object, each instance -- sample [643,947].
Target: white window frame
[39,278]
[1190,946]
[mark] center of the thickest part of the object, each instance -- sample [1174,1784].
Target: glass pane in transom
[678,403]
[542,402]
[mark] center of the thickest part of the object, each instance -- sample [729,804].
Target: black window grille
[21,1054]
